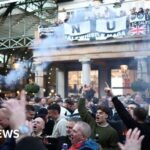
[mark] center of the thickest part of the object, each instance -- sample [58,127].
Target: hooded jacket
[89,144]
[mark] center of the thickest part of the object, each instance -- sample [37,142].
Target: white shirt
[59,127]
[64,112]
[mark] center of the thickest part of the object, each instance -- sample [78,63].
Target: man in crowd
[69,105]
[43,103]
[37,104]
[70,124]
[30,114]
[49,123]
[30,143]
[60,122]
[59,130]
[137,120]
[80,137]
[38,126]
[108,136]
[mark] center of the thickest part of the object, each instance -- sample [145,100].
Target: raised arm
[85,115]
[123,113]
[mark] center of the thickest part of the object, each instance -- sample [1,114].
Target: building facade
[96,43]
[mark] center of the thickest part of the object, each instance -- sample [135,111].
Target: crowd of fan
[84,123]
[91,13]
[141,11]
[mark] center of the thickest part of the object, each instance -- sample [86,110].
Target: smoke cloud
[16,74]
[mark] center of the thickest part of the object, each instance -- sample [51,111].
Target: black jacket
[131,123]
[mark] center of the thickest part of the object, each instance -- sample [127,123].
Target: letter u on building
[111,25]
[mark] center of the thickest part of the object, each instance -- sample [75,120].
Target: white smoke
[16,74]
[48,46]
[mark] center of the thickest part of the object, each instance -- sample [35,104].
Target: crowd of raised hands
[14,110]
[134,138]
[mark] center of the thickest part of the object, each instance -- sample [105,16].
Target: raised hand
[85,89]
[15,110]
[133,140]
[108,90]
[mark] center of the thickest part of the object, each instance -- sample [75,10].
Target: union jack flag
[138,29]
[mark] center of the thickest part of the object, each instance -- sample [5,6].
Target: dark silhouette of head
[30,143]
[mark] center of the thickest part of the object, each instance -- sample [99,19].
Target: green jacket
[108,136]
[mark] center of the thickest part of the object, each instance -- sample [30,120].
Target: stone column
[148,69]
[60,82]
[39,79]
[102,79]
[142,68]
[86,69]
[142,71]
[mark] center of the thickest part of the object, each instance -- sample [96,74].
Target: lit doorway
[121,81]
[74,82]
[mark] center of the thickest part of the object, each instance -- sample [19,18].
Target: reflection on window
[74,81]
[121,82]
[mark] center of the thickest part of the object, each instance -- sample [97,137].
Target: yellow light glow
[18,92]
[123,68]
[16,65]
[52,91]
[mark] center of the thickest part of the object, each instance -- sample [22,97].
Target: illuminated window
[74,81]
[121,82]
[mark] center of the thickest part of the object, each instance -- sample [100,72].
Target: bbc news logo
[9,134]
